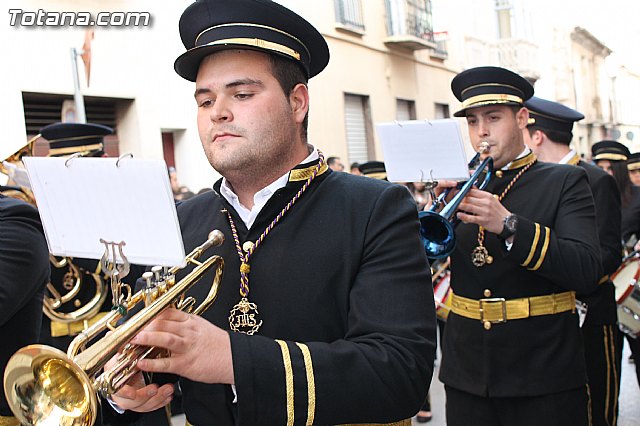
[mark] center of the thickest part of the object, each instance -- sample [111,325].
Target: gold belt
[9,421]
[60,329]
[406,422]
[498,310]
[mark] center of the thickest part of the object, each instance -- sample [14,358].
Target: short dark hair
[554,135]
[289,75]
[332,160]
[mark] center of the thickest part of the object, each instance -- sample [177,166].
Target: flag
[86,52]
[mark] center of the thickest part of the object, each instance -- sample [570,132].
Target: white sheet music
[417,150]
[87,199]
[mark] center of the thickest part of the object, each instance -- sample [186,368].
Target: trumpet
[437,229]
[45,386]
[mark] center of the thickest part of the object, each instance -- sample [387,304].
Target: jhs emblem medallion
[480,257]
[243,318]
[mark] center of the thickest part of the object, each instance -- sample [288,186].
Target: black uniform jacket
[631,215]
[602,307]
[555,249]
[24,271]
[343,283]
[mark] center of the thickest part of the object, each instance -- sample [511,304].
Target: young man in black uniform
[325,312]
[612,157]
[512,353]
[24,272]
[549,134]
[633,165]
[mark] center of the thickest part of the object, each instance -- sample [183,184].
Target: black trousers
[558,409]
[603,356]
[634,345]
[426,406]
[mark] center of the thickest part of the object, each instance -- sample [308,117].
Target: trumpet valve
[150,288]
[157,273]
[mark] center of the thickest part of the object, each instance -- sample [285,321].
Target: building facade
[390,60]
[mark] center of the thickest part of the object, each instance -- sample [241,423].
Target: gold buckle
[500,300]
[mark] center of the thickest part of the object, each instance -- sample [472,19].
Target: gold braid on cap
[254,42]
[611,156]
[495,98]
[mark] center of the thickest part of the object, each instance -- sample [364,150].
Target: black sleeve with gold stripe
[288,374]
[560,252]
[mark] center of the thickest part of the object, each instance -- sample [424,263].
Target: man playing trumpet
[512,353]
[307,328]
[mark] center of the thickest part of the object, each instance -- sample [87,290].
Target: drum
[442,295]
[625,280]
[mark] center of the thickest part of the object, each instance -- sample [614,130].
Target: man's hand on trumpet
[136,396]
[198,350]
[484,209]
[479,207]
[441,186]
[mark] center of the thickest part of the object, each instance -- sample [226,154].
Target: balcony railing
[441,38]
[409,24]
[520,56]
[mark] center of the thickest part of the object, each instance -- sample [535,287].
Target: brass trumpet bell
[47,387]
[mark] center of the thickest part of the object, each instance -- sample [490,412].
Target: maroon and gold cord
[501,196]
[244,258]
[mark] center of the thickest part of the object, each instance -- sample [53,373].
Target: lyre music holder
[116,266]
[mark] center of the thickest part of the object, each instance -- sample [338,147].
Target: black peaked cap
[609,150]
[633,162]
[374,169]
[69,138]
[481,86]
[208,26]
[551,115]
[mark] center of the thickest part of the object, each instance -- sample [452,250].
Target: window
[441,111]
[410,17]
[358,127]
[405,110]
[349,13]
[504,10]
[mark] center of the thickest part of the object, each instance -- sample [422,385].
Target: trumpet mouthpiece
[484,147]
[215,238]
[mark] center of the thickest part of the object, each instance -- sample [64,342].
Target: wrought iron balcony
[409,24]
